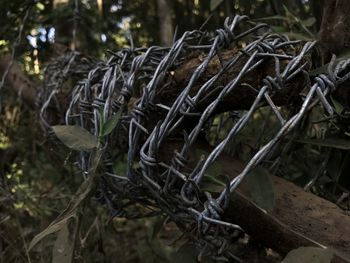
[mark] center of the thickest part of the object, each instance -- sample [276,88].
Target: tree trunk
[335,27]
[165,23]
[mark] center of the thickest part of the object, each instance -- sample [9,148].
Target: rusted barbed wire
[129,82]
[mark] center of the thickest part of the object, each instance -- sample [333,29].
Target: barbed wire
[131,80]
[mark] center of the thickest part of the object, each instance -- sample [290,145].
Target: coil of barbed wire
[131,81]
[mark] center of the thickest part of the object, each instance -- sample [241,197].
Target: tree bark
[17,80]
[299,218]
[165,22]
[335,27]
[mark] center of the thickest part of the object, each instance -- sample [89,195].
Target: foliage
[309,254]
[37,183]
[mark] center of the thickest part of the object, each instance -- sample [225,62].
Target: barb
[133,78]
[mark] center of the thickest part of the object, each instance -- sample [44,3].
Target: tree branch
[18,81]
[299,218]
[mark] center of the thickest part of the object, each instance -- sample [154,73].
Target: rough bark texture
[298,219]
[242,97]
[275,233]
[335,26]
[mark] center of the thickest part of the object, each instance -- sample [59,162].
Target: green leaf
[269,18]
[279,29]
[212,183]
[155,227]
[309,255]
[63,249]
[336,143]
[214,4]
[309,22]
[298,36]
[75,137]
[111,123]
[261,189]
[338,107]
[213,180]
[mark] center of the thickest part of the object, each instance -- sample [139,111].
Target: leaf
[269,18]
[75,137]
[309,255]
[155,227]
[338,107]
[188,253]
[298,36]
[63,248]
[329,142]
[111,123]
[52,228]
[214,4]
[211,183]
[211,180]
[80,196]
[279,29]
[309,22]
[260,188]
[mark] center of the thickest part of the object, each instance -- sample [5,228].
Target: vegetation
[50,210]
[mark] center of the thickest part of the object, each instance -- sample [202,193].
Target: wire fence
[130,81]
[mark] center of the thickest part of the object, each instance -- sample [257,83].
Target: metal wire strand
[167,186]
